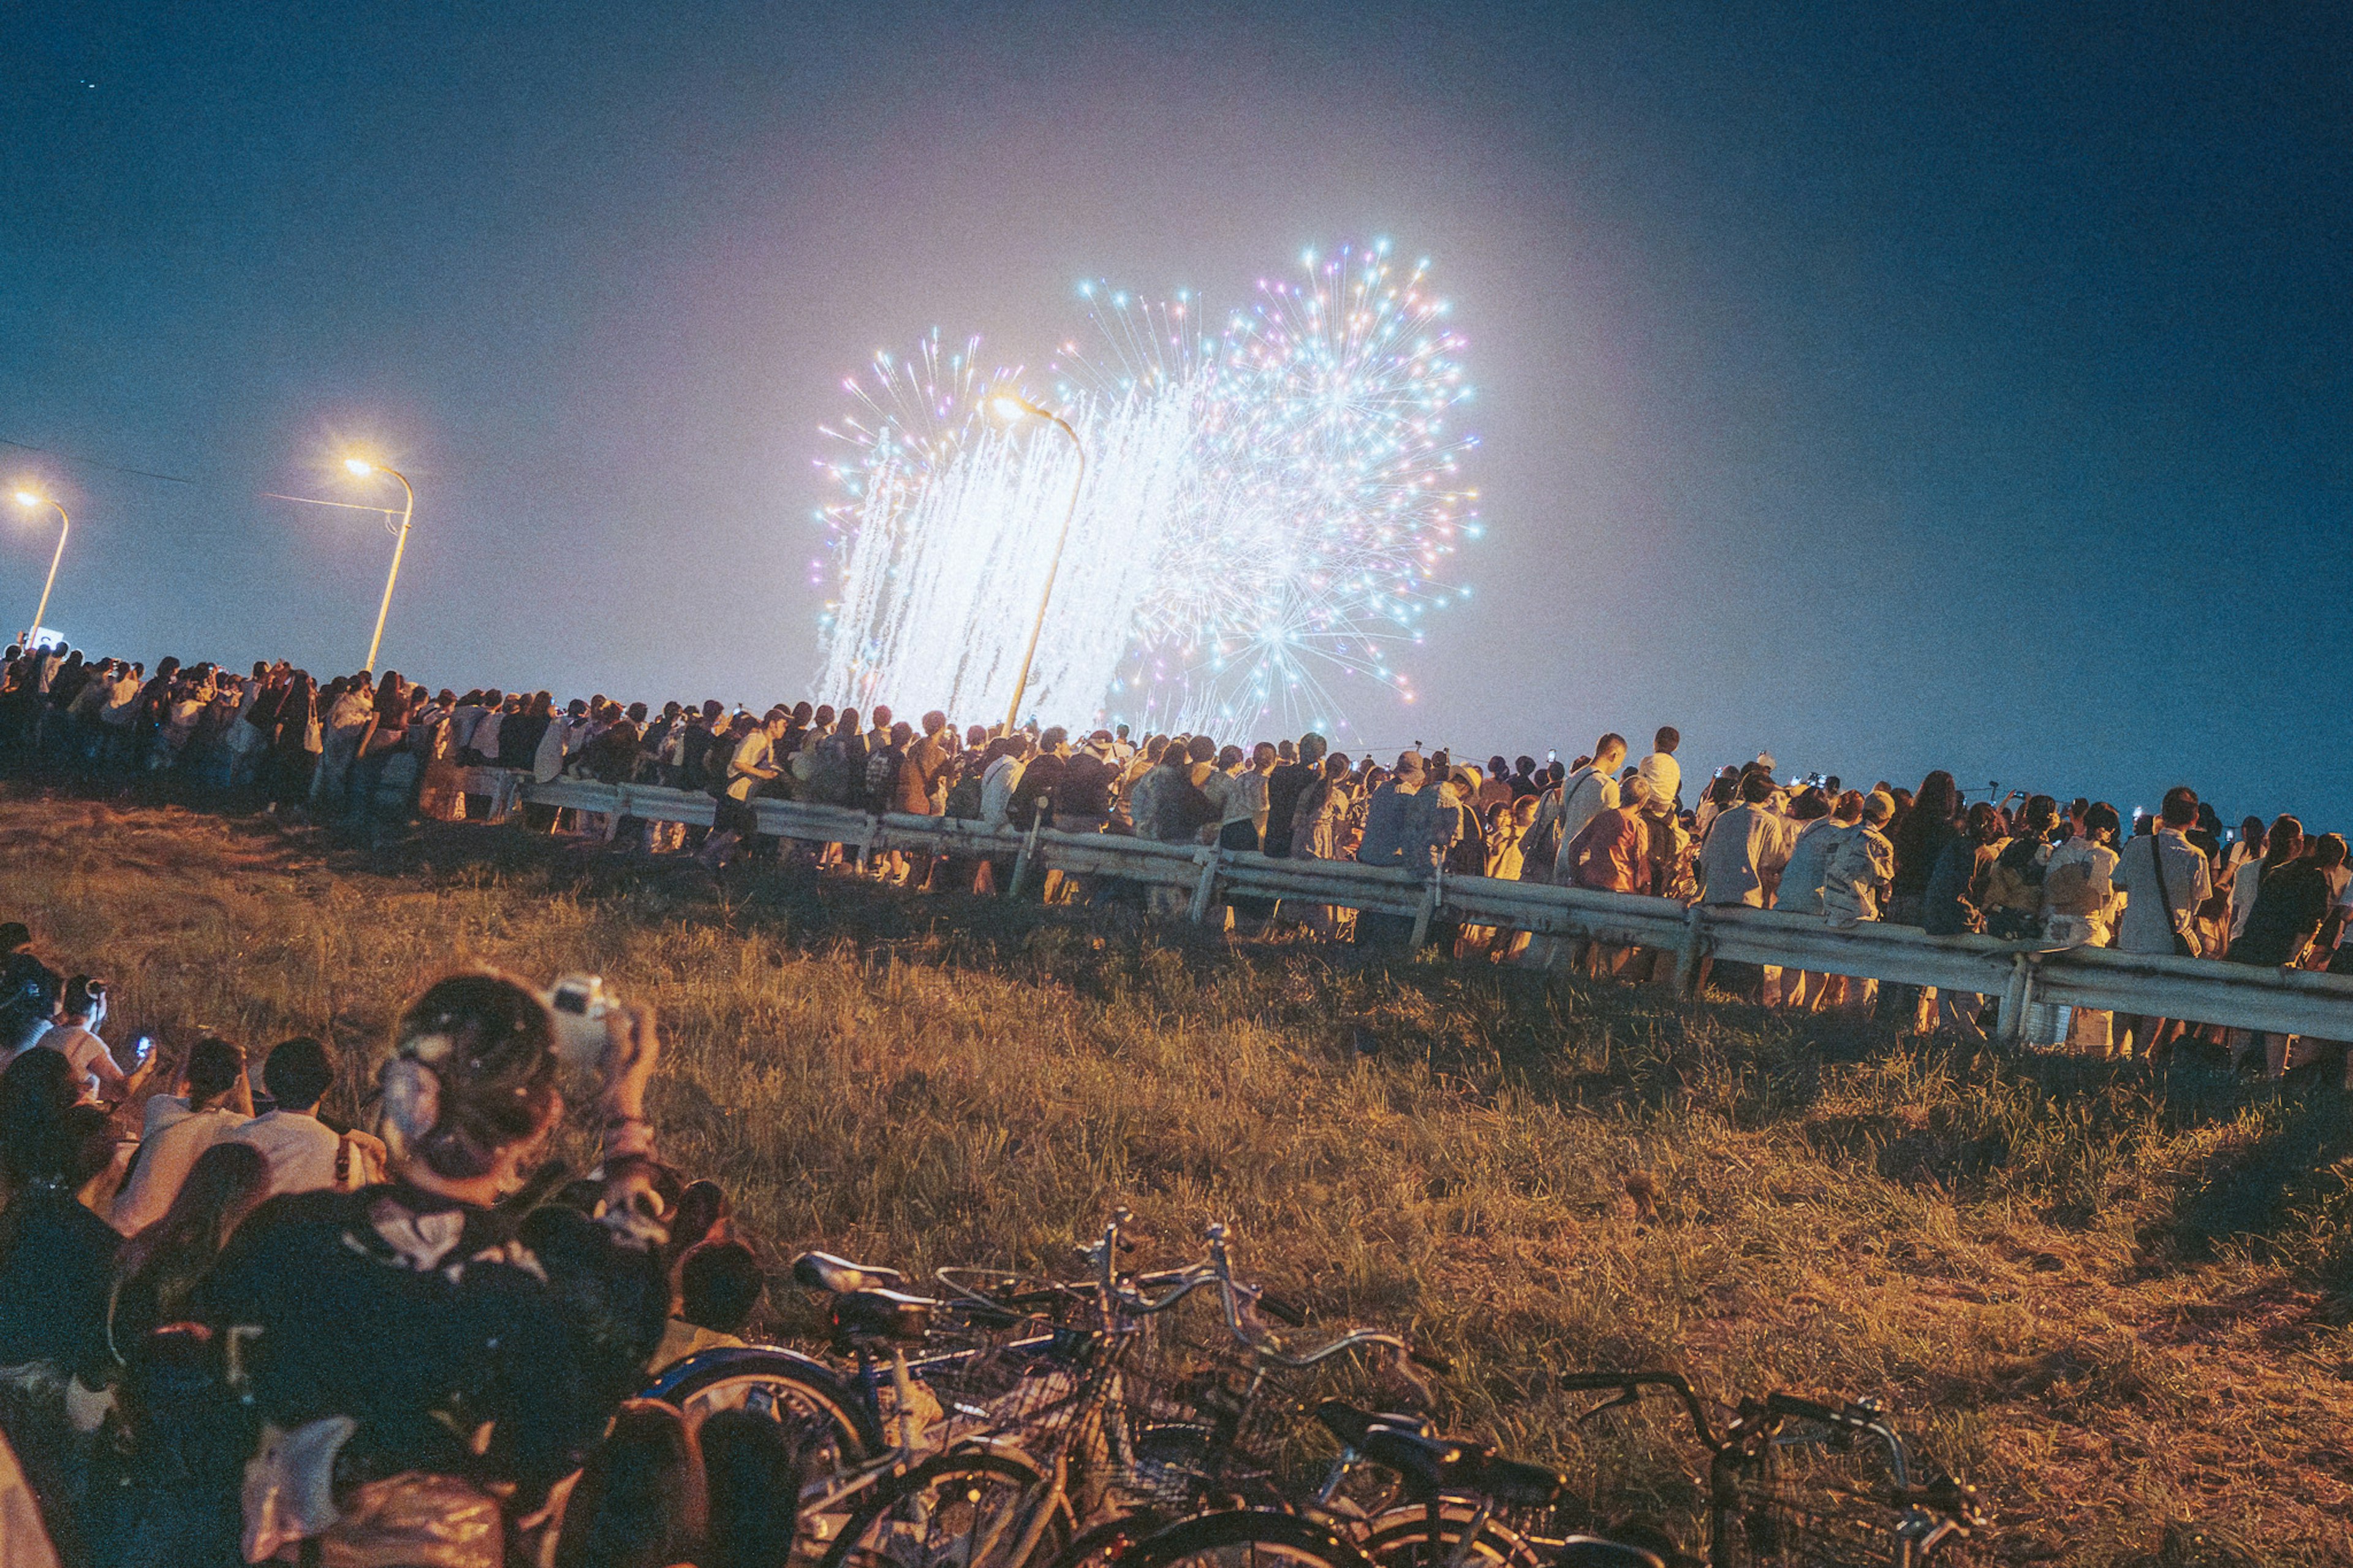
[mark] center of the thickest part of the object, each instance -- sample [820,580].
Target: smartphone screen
[143,1047]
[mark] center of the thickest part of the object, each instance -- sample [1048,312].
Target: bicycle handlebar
[1631,1386]
[1236,1298]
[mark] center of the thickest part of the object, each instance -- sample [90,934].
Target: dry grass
[2116,1300]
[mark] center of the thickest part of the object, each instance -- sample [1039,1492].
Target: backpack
[964,800]
[882,774]
[2013,893]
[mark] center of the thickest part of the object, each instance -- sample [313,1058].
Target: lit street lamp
[363,468]
[29,498]
[1011,409]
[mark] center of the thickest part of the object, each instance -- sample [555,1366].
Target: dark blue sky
[1892,387]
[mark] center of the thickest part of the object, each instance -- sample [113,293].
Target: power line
[94,463]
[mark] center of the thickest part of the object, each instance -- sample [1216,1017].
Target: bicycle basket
[1805,1501]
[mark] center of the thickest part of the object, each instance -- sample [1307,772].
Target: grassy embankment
[2115,1300]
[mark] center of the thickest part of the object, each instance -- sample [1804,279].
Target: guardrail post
[1021,860]
[2015,999]
[1688,950]
[1206,888]
[1431,893]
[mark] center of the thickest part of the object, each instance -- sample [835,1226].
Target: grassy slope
[2112,1299]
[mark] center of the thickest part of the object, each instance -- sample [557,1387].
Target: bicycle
[1194,1436]
[1469,1508]
[1129,1426]
[861,1427]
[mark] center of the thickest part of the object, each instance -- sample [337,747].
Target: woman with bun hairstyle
[440,1347]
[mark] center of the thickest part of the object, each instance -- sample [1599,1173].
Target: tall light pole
[1010,408]
[363,468]
[65,526]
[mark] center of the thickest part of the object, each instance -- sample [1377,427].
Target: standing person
[2240,870]
[1592,789]
[916,789]
[219,1101]
[1747,844]
[346,716]
[2080,904]
[1319,820]
[472,1354]
[1391,837]
[2011,901]
[1952,907]
[295,745]
[1082,798]
[1799,892]
[2164,881]
[2283,843]
[1284,785]
[1660,769]
[1243,826]
[1862,868]
[1611,853]
[1931,823]
[751,764]
[1042,781]
[2290,907]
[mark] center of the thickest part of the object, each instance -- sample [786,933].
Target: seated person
[719,1287]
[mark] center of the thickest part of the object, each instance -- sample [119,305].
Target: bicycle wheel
[971,1509]
[827,1425]
[1107,1544]
[1244,1538]
[1400,1538]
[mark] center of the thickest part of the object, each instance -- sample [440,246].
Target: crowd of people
[234,1327]
[2025,867]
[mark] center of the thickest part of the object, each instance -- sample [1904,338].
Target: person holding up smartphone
[76,1036]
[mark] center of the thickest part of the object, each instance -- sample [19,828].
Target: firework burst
[1270,503]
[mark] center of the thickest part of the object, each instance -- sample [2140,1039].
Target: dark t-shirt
[2289,907]
[1044,775]
[1084,790]
[1283,788]
[426,1320]
[56,1270]
[519,740]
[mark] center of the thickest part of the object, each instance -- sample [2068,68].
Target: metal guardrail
[2204,991]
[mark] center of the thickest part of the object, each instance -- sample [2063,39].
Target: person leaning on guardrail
[2165,879]
[2295,904]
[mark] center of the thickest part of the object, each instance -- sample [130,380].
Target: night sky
[1894,387]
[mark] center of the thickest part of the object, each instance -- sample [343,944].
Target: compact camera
[579,1003]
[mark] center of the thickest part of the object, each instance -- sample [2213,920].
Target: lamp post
[363,468]
[65,525]
[1010,408]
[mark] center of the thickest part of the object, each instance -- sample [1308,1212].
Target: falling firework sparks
[1266,514]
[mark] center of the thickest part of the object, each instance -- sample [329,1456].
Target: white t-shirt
[81,1047]
[1662,774]
[163,1164]
[301,1147]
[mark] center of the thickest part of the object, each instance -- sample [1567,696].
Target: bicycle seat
[1429,1465]
[1515,1484]
[881,1315]
[1592,1552]
[824,1272]
[1349,1423]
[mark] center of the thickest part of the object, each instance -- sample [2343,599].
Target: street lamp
[1012,409]
[30,499]
[363,469]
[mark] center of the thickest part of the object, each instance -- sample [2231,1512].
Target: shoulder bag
[2182,946]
